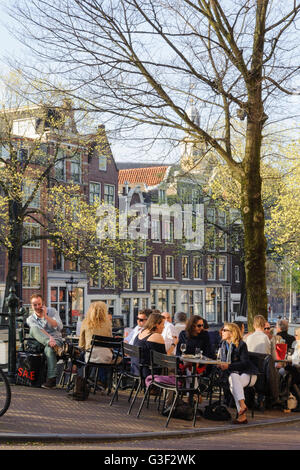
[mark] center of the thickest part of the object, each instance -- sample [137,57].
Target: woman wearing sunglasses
[237,367]
[194,336]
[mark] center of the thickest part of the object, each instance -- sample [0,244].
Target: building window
[237,273]
[168,231]
[198,302]
[155,230]
[31,276]
[211,268]
[60,166]
[109,194]
[28,189]
[4,152]
[170,267]
[57,260]
[31,231]
[102,162]
[197,267]
[185,271]
[157,266]
[222,268]
[162,300]
[187,301]
[95,193]
[127,283]
[141,276]
[76,168]
[210,307]
[162,198]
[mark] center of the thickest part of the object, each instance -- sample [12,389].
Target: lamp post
[70,283]
[12,303]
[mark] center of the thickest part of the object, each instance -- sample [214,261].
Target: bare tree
[142,61]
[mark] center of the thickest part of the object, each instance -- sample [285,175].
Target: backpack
[81,389]
[32,346]
[182,411]
[216,412]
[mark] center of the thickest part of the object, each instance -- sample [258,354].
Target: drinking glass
[183,348]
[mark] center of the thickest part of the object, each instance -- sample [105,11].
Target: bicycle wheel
[5,393]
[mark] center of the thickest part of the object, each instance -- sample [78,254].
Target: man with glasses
[141,321]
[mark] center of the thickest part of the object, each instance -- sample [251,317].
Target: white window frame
[144,271]
[224,278]
[33,244]
[93,192]
[130,271]
[107,196]
[102,162]
[199,265]
[31,265]
[171,259]
[213,262]
[158,258]
[76,163]
[187,258]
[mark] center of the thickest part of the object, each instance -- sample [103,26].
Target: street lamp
[70,284]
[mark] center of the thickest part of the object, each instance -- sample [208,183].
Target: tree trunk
[254,222]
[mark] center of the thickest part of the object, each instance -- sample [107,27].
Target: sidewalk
[36,414]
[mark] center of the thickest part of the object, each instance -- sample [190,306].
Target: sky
[10,47]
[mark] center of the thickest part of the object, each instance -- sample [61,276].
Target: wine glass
[197,352]
[183,348]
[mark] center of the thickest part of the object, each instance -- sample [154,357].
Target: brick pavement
[37,414]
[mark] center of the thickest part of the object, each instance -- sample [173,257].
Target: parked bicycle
[5,393]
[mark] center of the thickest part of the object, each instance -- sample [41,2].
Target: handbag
[216,412]
[30,369]
[281,350]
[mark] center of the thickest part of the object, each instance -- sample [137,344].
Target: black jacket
[200,341]
[240,361]
[289,339]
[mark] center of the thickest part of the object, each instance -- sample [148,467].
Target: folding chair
[130,352]
[176,383]
[115,344]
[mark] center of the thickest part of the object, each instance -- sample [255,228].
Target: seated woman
[149,339]
[237,367]
[194,337]
[96,322]
[294,370]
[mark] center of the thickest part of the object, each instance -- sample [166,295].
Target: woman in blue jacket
[237,367]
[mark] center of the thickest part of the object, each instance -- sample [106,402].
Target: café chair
[138,382]
[115,344]
[178,383]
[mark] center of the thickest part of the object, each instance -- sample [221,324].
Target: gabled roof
[150,176]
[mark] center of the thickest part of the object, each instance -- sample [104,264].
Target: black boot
[296,392]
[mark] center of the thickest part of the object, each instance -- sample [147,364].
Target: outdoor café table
[195,360]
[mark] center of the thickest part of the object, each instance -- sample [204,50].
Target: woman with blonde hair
[237,367]
[96,322]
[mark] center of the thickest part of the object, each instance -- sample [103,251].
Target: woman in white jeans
[237,366]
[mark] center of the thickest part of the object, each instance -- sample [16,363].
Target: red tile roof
[151,176]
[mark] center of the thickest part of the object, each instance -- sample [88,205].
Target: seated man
[258,342]
[45,326]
